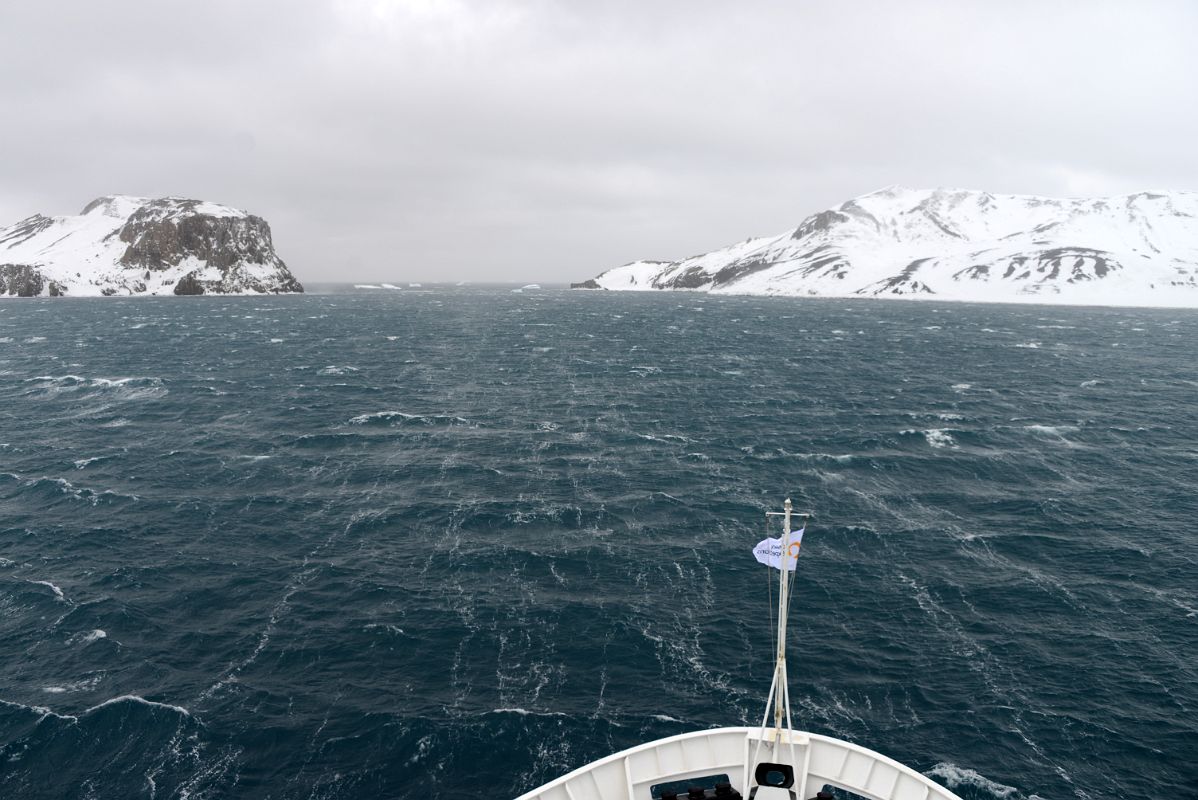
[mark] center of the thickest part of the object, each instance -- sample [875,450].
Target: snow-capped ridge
[958,244]
[117,206]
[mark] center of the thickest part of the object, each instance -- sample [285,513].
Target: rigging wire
[790,579]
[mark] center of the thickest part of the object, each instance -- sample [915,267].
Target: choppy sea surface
[455,542]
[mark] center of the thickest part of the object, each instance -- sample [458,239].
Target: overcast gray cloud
[524,140]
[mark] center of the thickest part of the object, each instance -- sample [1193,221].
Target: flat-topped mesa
[955,244]
[121,245]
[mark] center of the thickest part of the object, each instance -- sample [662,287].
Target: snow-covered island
[122,245]
[945,244]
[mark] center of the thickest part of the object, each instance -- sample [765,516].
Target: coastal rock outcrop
[121,245]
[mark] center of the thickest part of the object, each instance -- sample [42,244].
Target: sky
[528,140]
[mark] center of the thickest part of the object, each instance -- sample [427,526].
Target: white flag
[769,551]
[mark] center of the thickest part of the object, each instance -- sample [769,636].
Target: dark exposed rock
[936,220]
[819,222]
[157,242]
[830,264]
[162,233]
[287,284]
[21,280]
[734,272]
[691,278]
[1014,264]
[972,273]
[25,229]
[590,283]
[903,283]
[97,203]
[854,209]
[189,285]
[1055,257]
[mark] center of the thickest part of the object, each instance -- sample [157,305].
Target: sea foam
[958,777]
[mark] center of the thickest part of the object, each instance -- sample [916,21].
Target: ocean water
[453,543]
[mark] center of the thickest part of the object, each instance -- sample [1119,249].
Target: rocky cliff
[1141,249]
[122,245]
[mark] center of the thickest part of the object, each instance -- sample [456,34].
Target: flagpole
[779,694]
[780,705]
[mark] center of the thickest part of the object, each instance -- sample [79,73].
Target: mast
[778,698]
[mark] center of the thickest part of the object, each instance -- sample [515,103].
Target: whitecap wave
[935,437]
[524,712]
[843,458]
[133,698]
[388,417]
[82,493]
[938,437]
[1051,430]
[83,462]
[956,777]
[41,711]
[84,685]
[118,389]
[54,588]
[87,637]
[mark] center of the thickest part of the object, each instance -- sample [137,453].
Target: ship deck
[809,763]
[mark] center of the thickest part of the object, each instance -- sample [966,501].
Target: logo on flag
[769,551]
